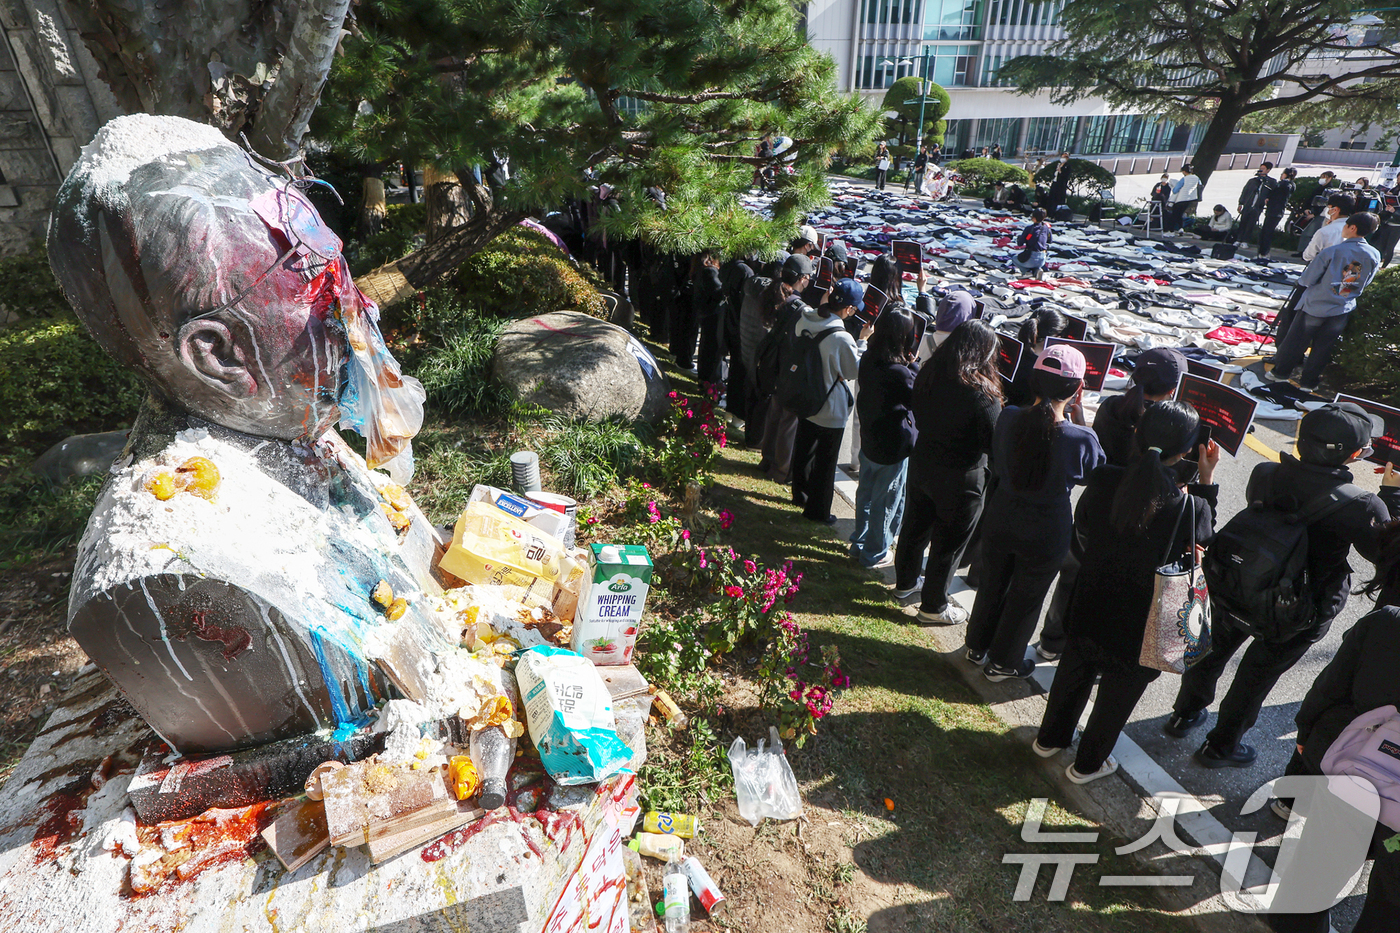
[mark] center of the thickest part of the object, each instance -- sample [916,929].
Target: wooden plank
[368,799]
[386,847]
[299,833]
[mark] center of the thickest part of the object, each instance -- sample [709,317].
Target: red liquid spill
[62,825]
[216,837]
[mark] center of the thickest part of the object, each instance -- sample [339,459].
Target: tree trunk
[212,60]
[373,207]
[306,62]
[446,203]
[1216,137]
[395,281]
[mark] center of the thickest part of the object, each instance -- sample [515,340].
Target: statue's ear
[209,351]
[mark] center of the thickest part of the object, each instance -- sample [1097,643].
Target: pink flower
[750,567]
[593,521]
[689,413]
[734,591]
[685,534]
[726,518]
[646,485]
[703,564]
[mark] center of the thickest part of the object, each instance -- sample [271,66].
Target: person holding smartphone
[1039,454]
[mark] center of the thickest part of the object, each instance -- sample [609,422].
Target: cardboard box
[611,603]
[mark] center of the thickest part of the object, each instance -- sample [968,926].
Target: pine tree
[1220,62]
[672,94]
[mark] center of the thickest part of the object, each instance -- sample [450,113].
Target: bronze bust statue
[245,576]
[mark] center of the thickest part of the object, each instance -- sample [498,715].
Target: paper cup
[525,471]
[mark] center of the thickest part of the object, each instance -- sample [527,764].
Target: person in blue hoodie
[887,435]
[1332,282]
[818,442]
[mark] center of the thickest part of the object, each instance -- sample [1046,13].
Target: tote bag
[1178,623]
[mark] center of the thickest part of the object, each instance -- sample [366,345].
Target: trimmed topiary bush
[522,273]
[979,173]
[1085,177]
[1372,340]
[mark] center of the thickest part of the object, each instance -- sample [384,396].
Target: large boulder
[581,367]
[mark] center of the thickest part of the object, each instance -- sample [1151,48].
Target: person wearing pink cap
[1038,453]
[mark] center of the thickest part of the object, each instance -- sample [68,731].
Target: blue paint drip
[337,695]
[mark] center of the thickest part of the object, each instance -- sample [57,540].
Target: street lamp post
[923,85]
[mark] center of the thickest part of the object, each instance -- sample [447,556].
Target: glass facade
[1049,134]
[952,20]
[1004,132]
[890,12]
[953,65]
[1025,12]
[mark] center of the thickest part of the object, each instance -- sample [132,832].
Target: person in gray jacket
[1332,282]
[818,441]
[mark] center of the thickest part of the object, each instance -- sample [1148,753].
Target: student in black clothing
[1328,439]
[1359,678]
[783,298]
[1033,332]
[707,300]
[956,400]
[1154,380]
[887,435]
[1038,454]
[1129,521]
[733,276]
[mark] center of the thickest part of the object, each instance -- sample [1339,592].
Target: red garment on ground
[1234,336]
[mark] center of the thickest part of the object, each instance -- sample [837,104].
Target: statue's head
[216,280]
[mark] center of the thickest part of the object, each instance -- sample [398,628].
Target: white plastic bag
[763,781]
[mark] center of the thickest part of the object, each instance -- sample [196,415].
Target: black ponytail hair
[1167,428]
[885,275]
[1034,431]
[1045,322]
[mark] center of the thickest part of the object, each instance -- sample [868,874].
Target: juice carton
[611,602]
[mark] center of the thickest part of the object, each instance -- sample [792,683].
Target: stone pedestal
[521,869]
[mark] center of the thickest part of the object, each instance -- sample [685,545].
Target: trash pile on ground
[1132,291]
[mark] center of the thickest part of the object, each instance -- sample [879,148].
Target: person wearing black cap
[1328,439]
[818,438]
[1154,380]
[780,425]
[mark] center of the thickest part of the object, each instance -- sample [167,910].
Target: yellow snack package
[492,547]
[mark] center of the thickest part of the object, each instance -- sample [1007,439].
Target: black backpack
[767,357]
[802,387]
[1256,569]
[1222,251]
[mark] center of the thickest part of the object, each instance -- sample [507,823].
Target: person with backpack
[1130,521]
[785,307]
[815,367]
[1039,453]
[886,425]
[956,401]
[1116,423]
[1278,574]
[1034,241]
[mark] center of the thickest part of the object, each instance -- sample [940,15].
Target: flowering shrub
[747,608]
[642,521]
[692,435]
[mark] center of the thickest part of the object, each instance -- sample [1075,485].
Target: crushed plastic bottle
[676,897]
[492,751]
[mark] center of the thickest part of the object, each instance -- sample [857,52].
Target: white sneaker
[953,614]
[1270,377]
[1109,766]
[1044,752]
[905,594]
[1045,655]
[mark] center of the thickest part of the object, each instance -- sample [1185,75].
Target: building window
[955,137]
[1005,132]
[1025,12]
[952,20]
[891,12]
[1049,135]
[876,73]
[1095,129]
[1132,133]
[952,65]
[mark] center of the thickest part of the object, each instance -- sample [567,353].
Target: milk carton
[611,603]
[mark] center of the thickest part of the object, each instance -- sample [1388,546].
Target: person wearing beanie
[1329,438]
[817,442]
[1039,454]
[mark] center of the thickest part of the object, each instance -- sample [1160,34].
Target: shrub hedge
[978,173]
[1085,177]
[1371,343]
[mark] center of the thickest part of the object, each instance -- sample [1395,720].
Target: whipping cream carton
[611,603]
